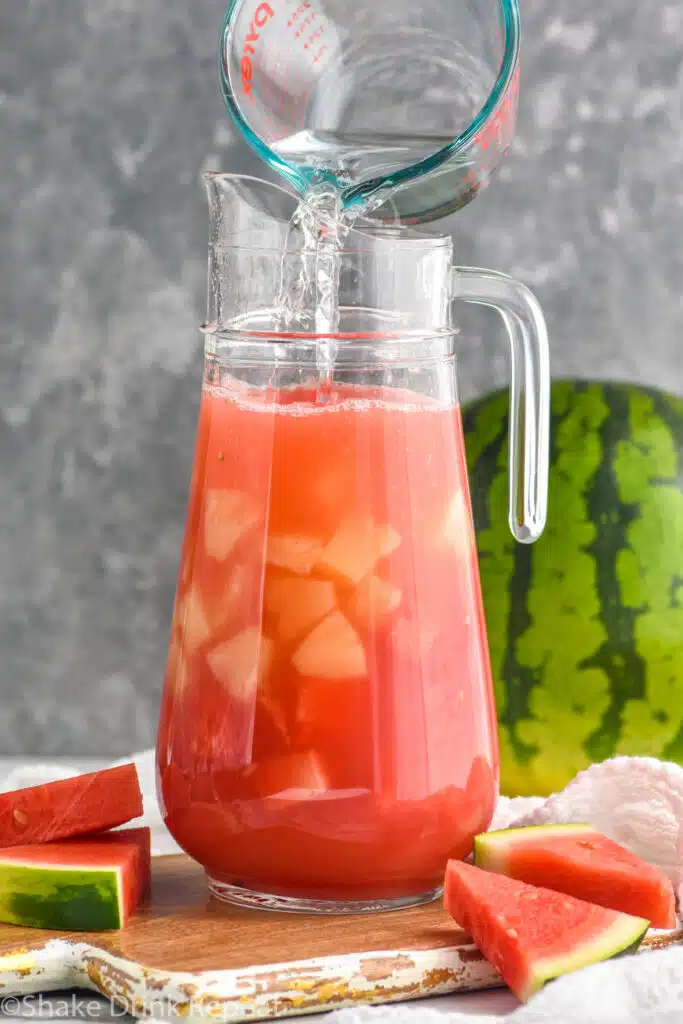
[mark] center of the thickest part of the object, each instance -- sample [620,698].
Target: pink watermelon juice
[327,727]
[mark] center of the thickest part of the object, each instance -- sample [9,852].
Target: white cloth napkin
[638,802]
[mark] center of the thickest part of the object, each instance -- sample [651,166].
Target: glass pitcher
[327,737]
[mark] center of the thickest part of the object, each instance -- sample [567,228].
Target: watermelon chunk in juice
[296,553]
[333,650]
[70,807]
[293,776]
[241,663]
[356,547]
[297,605]
[223,602]
[228,516]
[374,600]
[457,525]
[192,621]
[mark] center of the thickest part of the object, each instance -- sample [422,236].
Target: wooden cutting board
[185,953]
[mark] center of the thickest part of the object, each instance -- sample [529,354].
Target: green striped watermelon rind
[67,899]
[89,883]
[624,936]
[585,625]
[490,848]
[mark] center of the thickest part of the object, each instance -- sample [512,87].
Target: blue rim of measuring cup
[354,193]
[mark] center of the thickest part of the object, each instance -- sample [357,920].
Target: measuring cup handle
[529,391]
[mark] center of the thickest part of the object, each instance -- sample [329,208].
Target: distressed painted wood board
[186,954]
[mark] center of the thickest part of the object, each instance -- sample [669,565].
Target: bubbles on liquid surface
[392,403]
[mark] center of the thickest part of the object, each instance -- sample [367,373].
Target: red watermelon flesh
[577,860]
[70,807]
[89,883]
[137,870]
[532,935]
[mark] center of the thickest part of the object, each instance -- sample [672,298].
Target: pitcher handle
[529,391]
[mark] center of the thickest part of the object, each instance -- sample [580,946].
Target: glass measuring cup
[327,736]
[408,115]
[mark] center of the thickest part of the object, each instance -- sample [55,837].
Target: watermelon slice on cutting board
[70,807]
[92,883]
[578,861]
[530,934]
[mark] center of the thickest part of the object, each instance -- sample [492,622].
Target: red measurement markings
[302,27]
[274,72]
[500,124]
[308,32]
[296,16]
[312,39]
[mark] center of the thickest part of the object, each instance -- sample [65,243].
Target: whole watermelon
[586,625]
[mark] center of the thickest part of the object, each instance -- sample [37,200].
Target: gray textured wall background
[109,111]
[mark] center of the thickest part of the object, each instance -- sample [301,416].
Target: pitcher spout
[264,253]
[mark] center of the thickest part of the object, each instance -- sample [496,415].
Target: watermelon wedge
[70,807]
[577,860]
[532,935]
[92,883]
